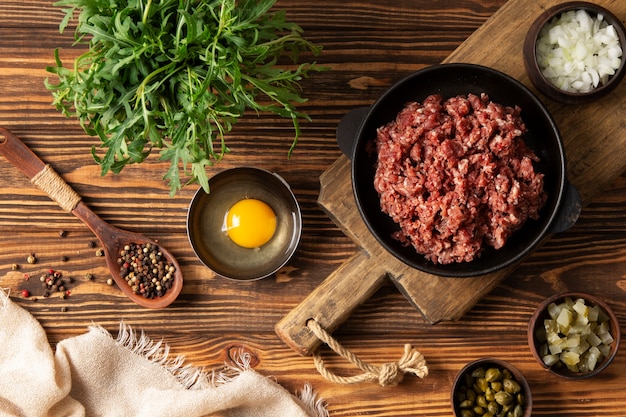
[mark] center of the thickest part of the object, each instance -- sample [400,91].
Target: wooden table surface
[369,45]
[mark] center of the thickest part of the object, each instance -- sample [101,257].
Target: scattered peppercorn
[100,252]
[52,281]
[64,258]
[15,267]
[26,277]
[63,309]
[146,270]
[31,259]
[62,233]
[89,276]
[91,244]
[109,281]
[25,293]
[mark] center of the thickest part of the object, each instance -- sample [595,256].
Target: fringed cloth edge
[192,377]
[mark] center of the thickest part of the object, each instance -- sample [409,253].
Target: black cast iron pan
[359,127]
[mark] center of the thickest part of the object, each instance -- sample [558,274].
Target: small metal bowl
[214,248]
[535,73]
[536,331]
[464,382]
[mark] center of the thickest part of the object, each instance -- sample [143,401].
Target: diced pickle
[570,358]
[569,333]
[564,320]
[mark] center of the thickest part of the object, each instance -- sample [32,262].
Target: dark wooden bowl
[544,85]
[460,381]
[536,324]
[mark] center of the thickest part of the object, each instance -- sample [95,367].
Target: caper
[490,394]
[493,374]
[493,408]
[461,394]
[471,395]
[503,398]
[511,386]
[478,373]
[482,384]
[466,404]
[496,386]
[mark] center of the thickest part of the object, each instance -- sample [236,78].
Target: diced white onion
[577,53]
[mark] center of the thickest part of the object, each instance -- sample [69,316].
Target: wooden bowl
[205,221]
[464,380]
[536,334]
[535,73]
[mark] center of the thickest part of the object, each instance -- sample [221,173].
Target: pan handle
[569,211]
[348,128]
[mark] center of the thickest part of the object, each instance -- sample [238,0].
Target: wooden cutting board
[594,137]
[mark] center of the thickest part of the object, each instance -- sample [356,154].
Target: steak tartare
[456,176]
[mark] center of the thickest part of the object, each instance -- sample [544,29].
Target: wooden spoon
[112,239]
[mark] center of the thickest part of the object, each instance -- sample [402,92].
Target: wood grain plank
[369,45]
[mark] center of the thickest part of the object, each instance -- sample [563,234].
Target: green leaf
[176,75]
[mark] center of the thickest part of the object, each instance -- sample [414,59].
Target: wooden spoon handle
[19,154]
[40,174]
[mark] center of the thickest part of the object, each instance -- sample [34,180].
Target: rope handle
[50,182]
[391,373]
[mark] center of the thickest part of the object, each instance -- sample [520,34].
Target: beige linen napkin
[95,375]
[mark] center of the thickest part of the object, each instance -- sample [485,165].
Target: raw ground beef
[456,176]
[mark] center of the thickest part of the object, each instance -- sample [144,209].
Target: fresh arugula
[175,75]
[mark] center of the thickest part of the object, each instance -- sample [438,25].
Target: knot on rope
[391,373]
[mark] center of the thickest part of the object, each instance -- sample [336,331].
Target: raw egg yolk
[250,223]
